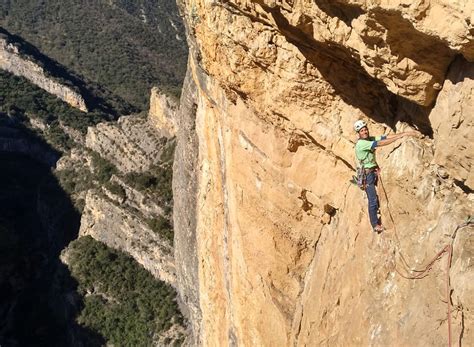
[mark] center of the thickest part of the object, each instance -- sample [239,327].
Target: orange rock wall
[283,248]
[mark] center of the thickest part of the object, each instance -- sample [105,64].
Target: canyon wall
[273,245]
[12,61]
[127,213]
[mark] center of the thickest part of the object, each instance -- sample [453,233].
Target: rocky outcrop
[117,222]
[12,61]
[452,121]
[123,214]
[281,248]
[162,112]
[116,212]
[131,144]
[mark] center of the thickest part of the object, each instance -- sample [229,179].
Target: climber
[365,155]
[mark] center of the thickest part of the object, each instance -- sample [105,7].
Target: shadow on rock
[343,70]
[38,300]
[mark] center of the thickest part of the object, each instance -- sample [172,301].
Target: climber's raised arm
[393,137]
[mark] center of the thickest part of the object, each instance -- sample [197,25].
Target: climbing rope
[407,268]
[415,274]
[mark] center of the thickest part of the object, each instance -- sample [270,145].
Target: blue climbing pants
[371,183]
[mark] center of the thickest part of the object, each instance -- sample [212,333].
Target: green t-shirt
[365,151]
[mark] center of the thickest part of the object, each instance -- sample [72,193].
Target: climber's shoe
[378,229]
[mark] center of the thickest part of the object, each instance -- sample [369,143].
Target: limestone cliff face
[118,213]
[162,112]
[280,247]
[12,61]
[185,183]
[119,224]
[131,144]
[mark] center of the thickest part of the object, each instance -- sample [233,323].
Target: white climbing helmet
[359,125]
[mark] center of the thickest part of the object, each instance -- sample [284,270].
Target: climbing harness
[361,175]
[415,274]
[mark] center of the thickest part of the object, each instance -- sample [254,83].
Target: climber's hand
[411,133]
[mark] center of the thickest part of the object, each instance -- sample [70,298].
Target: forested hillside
[125,46]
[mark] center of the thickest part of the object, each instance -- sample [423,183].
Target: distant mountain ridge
[127,47]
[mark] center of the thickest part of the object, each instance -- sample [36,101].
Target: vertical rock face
[273,243]
[452,117]
[162,112]
[185,173]
[11,61]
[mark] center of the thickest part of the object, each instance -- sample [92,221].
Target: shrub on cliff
[56,136]
[116,189]
[162,227]
[157,181]
[74,181]
[103,169]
